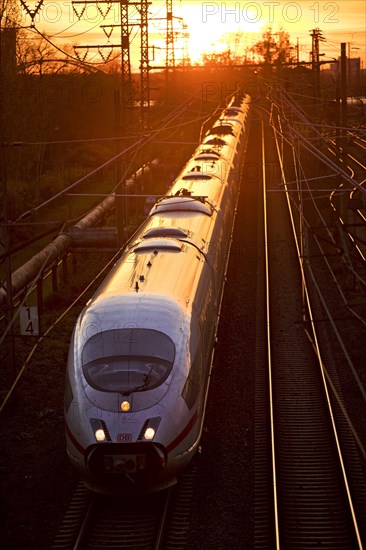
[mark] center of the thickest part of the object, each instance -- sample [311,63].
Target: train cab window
[127,360]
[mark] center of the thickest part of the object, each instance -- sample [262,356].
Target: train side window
[193,382]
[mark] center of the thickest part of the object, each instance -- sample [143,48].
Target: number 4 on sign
[29,321]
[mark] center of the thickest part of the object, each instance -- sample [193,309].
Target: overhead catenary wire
[315,152]
[107,138]
[75,58]
[33,28]
[49,330]
[176,112]
[324,371]
[25,274]
[293,133]
[144,138]
[347,356]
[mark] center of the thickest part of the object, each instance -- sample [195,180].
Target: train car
[141,352]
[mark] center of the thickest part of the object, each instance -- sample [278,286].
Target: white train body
[141,351]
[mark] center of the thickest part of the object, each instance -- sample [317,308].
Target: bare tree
[37,55]
[283,47]
[274,48]
[9,18]
[226,57]
[9,13]
[33,53]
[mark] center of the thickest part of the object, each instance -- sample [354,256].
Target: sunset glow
[213,30]
[209,27]
[215,26]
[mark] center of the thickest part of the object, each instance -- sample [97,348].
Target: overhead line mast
[144,63]
[125,54]
[170,52]
[317,37]
[125,27]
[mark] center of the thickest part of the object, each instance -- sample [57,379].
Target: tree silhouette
[274,48]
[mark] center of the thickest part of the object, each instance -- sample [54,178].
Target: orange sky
[339,21]
[214,25]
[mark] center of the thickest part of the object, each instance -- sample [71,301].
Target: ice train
[141,351]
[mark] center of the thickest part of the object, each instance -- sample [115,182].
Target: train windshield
[127,360]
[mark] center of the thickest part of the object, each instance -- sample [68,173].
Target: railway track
[302,440]
[125,523]
[149,522]
[352,223]
[299,522]
[96,521]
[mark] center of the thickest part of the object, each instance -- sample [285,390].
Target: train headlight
[100,435]
[125,406]
[149,434]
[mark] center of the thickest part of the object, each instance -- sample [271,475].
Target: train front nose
[137,462]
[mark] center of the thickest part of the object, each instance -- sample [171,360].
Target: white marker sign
[29,321]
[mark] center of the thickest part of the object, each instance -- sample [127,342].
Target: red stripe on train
[183,434]
[73,440]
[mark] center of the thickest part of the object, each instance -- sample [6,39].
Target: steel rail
[95,520]
[357,187]
[360,145]
[85,524]
[111,524]
[269,358]
[331,237]
[359,212]
[350,156]
[309,146]
[159,538]
[304,222]
[333,193]
[315,343]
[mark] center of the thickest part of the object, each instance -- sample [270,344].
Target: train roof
[181,204]
[158,275]
[208,164]
[154,270]
[115,311]
[193,192]
[208,155]
[233,111]
[218,142]
[187,226]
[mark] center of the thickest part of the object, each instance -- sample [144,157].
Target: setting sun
[213,31]
[214,27]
